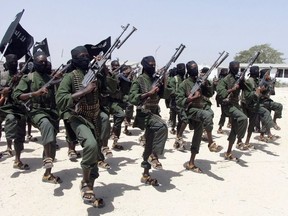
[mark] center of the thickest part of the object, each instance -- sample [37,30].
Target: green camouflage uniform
[232,108]
[270,104]
[197,116]
[14,115]
[43,113]
[83,117]
[173,84]
[147,116]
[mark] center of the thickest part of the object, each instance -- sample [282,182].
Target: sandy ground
[258,185]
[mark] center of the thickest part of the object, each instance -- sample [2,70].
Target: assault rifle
[273,82]
[95,66]
[242,75]
[264,80]
[56,78]
[14,81]
[201,80]
[162,72]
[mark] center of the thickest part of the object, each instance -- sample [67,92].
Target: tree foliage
[267,55]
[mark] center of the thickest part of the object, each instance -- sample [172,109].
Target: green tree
[267,55]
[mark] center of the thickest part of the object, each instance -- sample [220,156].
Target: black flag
[21,42]
[10,31]
[95,50]
[41,46]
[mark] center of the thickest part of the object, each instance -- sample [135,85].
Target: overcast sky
[206,27]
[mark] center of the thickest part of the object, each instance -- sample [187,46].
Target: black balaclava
[80,61]
[148,64]
[11,63]
[223,72]
[115,64]
[204,70]
[181,69]
[254,71]
[40,67]
[263,72]
[234,67]
[192,68]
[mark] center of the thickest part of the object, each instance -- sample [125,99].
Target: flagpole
[6,47]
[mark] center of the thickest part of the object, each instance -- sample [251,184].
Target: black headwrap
[148,64]
[204,70]
[234,67]
[254,71]
[81,62]
[263,72]
[181,69]
[11,63]
[192,68]
[223,72]
[39,66]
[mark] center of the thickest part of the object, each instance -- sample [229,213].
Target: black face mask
[234,70]
[11,66]
[150,70]
[81,62]
[181,73]
[40,67]
[193,71]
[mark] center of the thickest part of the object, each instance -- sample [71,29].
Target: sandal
[154,162]
[173,131]
[87,192]
[142,141]
[241,146]
[7,153]
[106,152]
[146,179]
[103,165]
[276,127]
[127,132]
[213,147]
[98,203]
[31,138]
[73,155]
[220,131]
[117,147]
[272,137]
[231,157]
[263,139]
[51,179]
[21,166]
[193,168]
[47,163]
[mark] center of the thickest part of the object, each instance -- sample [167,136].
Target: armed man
[43,113]
[80,107]
[146,96]
[13,113]
[252,107]
[228,94]
[199,118]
